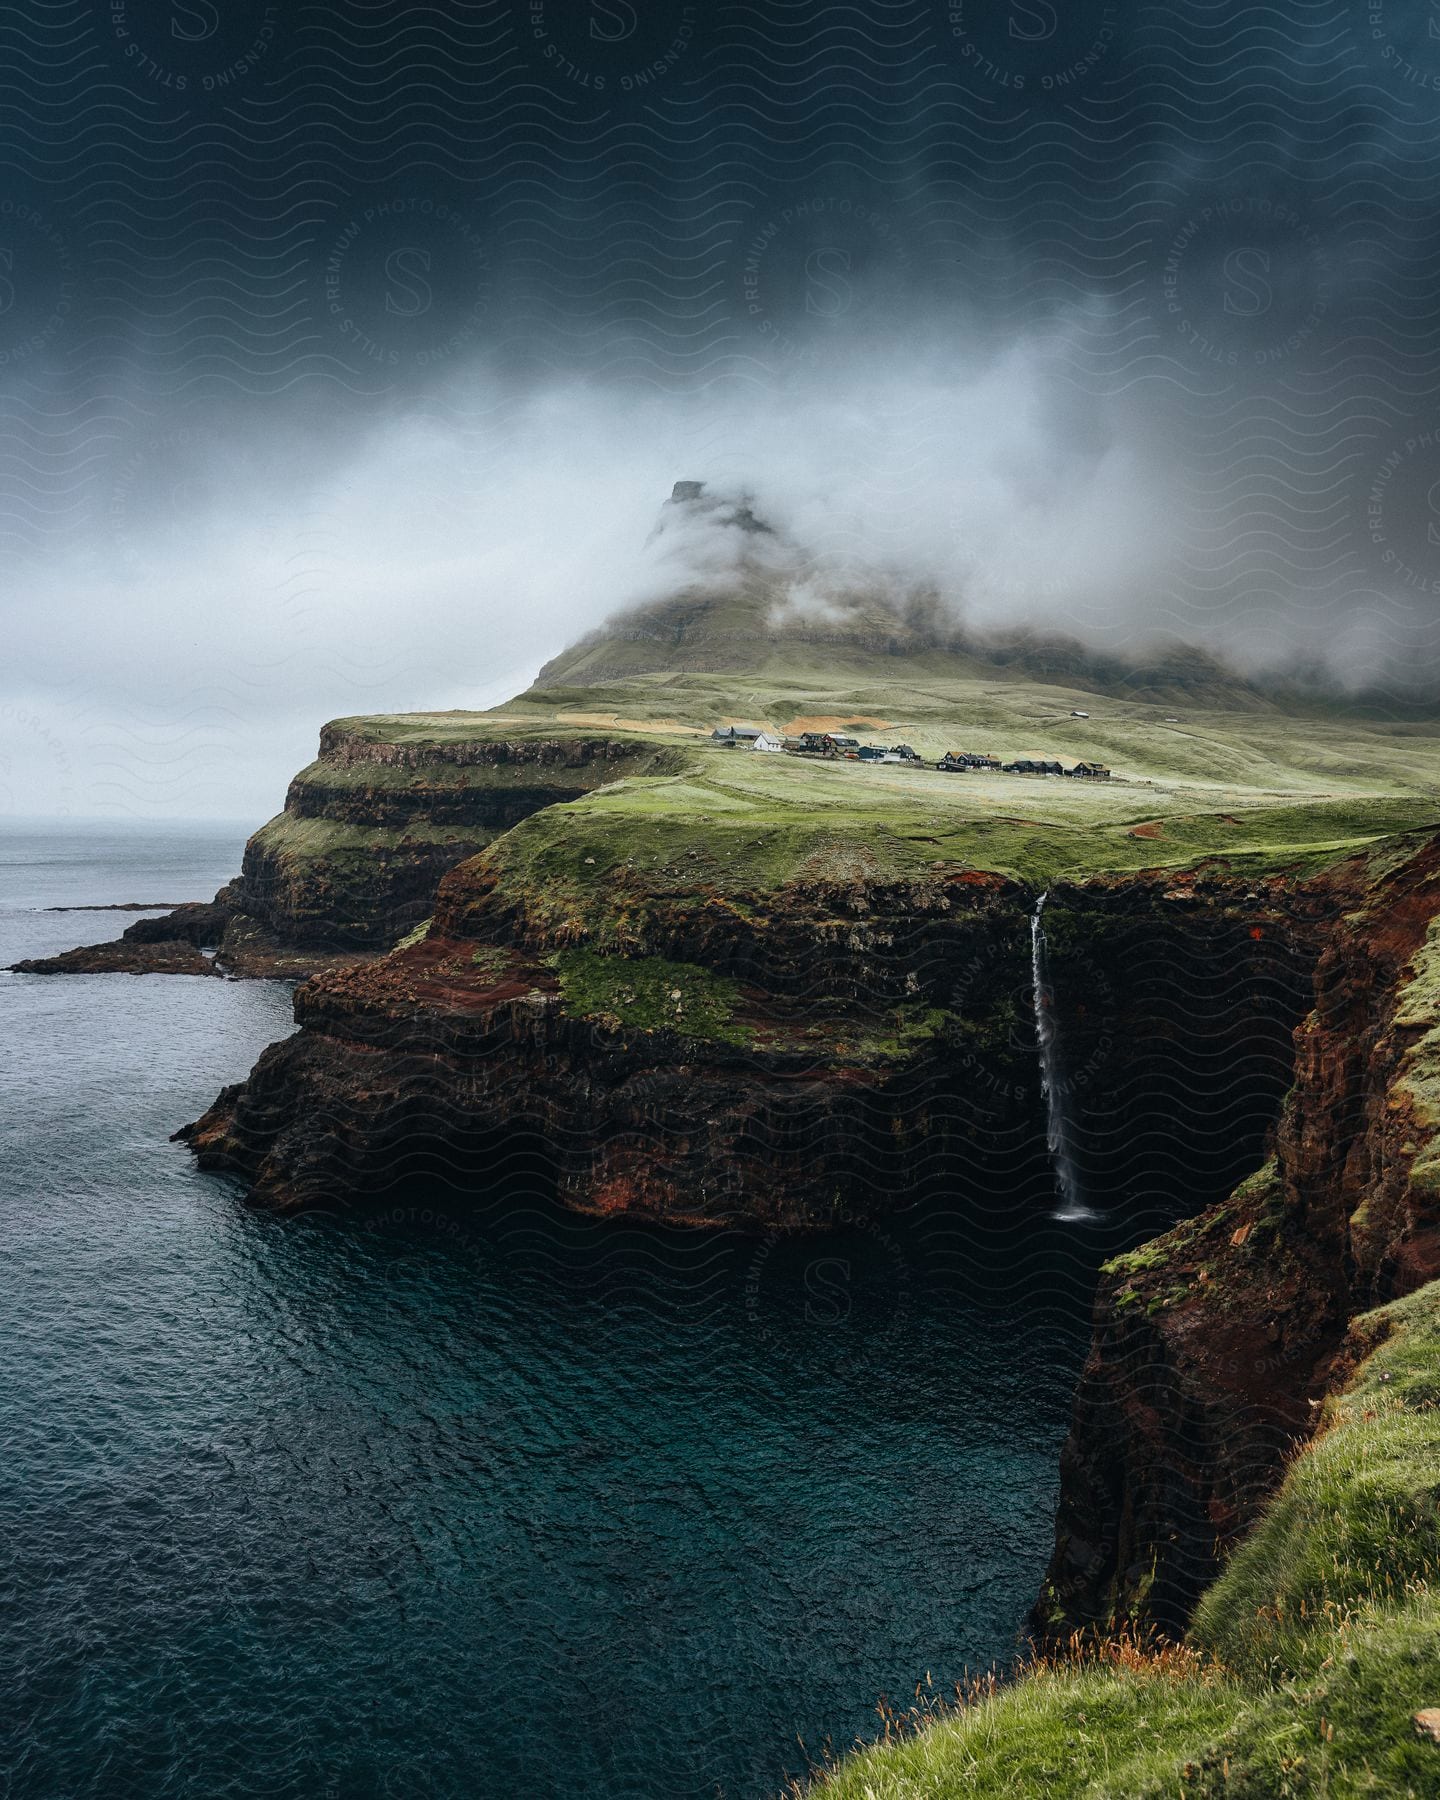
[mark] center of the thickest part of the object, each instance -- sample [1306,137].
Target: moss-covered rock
[650,994]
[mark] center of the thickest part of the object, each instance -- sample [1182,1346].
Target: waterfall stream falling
[1047,1033]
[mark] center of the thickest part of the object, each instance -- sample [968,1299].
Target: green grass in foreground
[1307,1660]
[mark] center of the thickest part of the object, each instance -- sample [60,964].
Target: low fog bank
[230,583]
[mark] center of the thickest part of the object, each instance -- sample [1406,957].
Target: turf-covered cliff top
[1265,791]
[762,825]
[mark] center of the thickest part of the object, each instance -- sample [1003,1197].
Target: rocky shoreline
[217,937]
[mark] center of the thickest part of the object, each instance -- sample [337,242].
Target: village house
[768,740]
[897,753]
[731,735]
[958,760]
[824,743]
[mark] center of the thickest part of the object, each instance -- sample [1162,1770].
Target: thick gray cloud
[344,370]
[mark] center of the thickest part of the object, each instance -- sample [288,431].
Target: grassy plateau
[1264,789]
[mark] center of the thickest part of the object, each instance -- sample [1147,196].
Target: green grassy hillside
[619,778]
[1307,1662]
[1267,791]
[752,631]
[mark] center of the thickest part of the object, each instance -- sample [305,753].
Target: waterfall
[1047,1034]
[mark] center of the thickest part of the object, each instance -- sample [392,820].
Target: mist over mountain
[745,596]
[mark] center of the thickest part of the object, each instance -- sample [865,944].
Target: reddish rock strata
[442,1053]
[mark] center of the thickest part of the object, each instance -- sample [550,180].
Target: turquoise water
[455,1496]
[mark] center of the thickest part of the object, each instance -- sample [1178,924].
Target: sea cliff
[686,984]
[354,859]
[1215,1345]
[777,1040]
[774,1045]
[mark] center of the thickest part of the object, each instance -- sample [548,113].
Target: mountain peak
[737,594]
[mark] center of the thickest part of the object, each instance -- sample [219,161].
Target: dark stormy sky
[347,349]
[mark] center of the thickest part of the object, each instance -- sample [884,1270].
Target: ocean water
[455,1495]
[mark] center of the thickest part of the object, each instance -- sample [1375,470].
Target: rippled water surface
[459,1497]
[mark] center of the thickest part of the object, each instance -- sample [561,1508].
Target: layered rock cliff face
[355,858]
[777,1060]
[368,829]
[1215,1345]
[717,1077]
